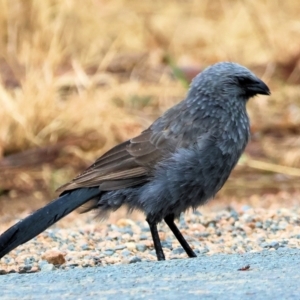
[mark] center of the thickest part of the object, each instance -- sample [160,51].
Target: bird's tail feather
[43,218]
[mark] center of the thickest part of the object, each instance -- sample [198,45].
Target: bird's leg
[169,219]
[157,245]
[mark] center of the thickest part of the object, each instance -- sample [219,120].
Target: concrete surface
[272,275]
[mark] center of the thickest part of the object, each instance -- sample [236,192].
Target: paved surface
[272,275]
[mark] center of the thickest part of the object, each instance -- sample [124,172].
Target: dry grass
[97,68]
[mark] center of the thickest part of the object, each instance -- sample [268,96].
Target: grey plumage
[183,158]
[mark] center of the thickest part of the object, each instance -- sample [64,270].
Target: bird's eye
[244,81]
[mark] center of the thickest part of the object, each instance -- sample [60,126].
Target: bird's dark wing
[132,162]
[127,164]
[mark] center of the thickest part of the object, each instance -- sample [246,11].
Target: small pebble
[120,247]
[24,269]
[178,250]
[85,247]
[71,247]
[258,225]
[143,237]
[108,252]
[126,253]
[54,257]
[141,247]
[47,267]
[274,245]
[134,259]
[131,246]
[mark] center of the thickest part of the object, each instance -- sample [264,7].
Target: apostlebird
[181,161]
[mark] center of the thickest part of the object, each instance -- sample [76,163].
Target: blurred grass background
[77,77]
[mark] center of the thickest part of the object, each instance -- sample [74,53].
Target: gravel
[87,243]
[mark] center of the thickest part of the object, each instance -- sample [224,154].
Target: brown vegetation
[76,77]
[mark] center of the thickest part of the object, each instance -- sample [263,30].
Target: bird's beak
[258,87]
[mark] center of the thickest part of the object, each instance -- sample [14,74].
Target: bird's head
[231,79]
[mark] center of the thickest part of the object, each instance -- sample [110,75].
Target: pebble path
[84,242]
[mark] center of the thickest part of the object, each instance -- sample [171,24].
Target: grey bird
[180,162]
